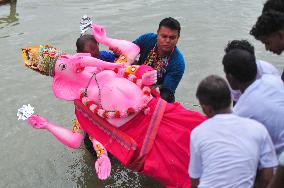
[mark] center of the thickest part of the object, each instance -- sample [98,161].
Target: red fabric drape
[168,159]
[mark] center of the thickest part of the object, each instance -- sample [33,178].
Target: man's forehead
[167,30]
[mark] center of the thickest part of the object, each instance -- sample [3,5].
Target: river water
[33,158]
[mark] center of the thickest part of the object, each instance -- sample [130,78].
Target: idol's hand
[103,167]
[99,32]
[149,78]
[37,122]
[113,66]
[116,65]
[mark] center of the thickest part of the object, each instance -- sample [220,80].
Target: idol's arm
[86,61]
[65,136]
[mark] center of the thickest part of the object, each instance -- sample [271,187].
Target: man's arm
[140,41]
[172,79]
[268,160]
[107,56]
[195,165]
[278,179]
[194,182]
[145,42]
[266,175]
[167,95]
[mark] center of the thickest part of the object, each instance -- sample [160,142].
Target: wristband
[99,150]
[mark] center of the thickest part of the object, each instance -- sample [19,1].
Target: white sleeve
[195,166]
[268,155]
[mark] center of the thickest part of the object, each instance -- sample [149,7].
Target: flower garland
[111,114]
[157,62]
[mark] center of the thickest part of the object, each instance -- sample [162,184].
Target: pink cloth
[168,159]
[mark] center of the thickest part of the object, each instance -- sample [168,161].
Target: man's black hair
[170,23]
[241,65]
[240,44]
[214,91]
[277,5]
[81,41]
[268,23]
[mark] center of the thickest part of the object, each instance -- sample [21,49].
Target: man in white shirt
[226,149]
[269,27]
[263,67]
[262,99]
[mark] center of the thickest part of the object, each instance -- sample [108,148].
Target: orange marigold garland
[76,126]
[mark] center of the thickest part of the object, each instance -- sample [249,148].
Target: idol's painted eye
[62,66]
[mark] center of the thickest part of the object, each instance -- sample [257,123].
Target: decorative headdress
[41,58]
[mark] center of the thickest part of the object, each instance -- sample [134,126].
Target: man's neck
[163,53]
[227,110]
[244,86]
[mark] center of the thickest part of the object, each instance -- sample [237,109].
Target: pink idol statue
[119,111]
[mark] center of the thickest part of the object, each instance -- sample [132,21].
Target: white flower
[111,115]
[93,107]
[25,112]
[146,99]
[146,110]
[123,113]
[136,108]
[139,82]
[131,77]
[146,89]
[101,112]
[85,100]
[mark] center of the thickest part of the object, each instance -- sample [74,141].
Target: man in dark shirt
[160,52]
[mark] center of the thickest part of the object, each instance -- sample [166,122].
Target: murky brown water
[33,158]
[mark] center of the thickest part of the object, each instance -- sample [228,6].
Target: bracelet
[76,126]
[121,59]
[99,150]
